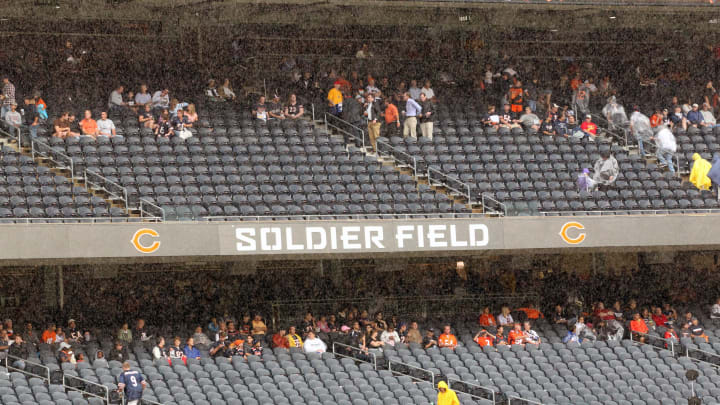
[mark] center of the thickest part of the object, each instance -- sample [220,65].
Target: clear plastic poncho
[615,113]
[640,124]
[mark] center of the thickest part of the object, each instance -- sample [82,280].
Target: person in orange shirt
[487,319]
[657,118]
[88,125]
[638,327]
[531,312]
[49,334]
[484,338]
[392,119]
[516,335]
[575,82]
[447,339]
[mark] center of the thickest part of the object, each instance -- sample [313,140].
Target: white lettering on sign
[356,237]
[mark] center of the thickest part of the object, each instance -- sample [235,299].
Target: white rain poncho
[615,113]
[640,125]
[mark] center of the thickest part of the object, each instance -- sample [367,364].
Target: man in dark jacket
[352,113]
[20,350]
[372,112]
[119,353]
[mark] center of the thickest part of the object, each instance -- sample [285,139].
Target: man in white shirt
[666,147]
[428,91]
[414,90]
[715,311]
[143,97]
[105,126]
[115,102]
[12,117]
[313,344]
[161,99]
[708,116]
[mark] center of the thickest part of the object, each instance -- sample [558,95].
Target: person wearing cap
[131,383]
[65,355]
[666,147]
[589,127]
[696,330]
[695,117]
[221,348]
[335,99]
[12,117]
[275,110]
[7,96]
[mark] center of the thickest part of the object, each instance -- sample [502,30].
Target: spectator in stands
[49,334]
[191,113]
[614,112]
[491,119]
[697,331]
[372,113]
[659,318]
[199,337]
[372,339]
[484,338]
[412,111]
[276,110]
[258,326]
[446,396]
[515,97]
[159,351]
[571,336]
[88,125]
[12,117]
[505,318]
[530,311]
[695,117]
[4,345]
[62,127]
[161,100]
[125,334]
[191,352]
[606,170]
[294,340]
[313,344]
[163,128]
[105,126]
[232,332]
[548,127]
[30,336]
[677,119]
[656,119]
[666,147]
[529,120]
[640,128]
[390,336]
[529,335]
[146,118]
[429,340]
[428,91]
[143,98]
[699,171]
[559,315]
[279,340]
[603,313]
[708,116]
[647,318]
[255,348]
[371,88]
[213,326]
[508,118]
[638,328]
[7,96]
[65,355]
[259,111]
[180,124]
[618,310]
[715,311]
[115,101]
[447,339]
[294,110]
[221,348]
[32,118]
[414,90]
[392,118]
[426,118]
[671,335]
[175,351]
[588,127]
[237,349]
[211,92]
[226,92]
[75,335]
[335,99]
[20,350]
[516,335]
[364,52]
[119,352]
[500,339]
[413,334]
[487,319]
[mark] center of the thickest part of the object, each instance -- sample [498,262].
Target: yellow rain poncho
[448,397]
[698,174]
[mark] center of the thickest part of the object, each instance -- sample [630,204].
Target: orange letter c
[145,248]
[570,240]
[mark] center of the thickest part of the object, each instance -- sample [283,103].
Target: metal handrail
[339,121]
[489,390]
[391,362]
[634,212]
[668,342]
[106,397]
[706,356]
[486,206]
[104,186]
[513,400]
[52,154]
[372,355]
[395,153]
[352,217]
[10,366]
[448,183]
[151,205]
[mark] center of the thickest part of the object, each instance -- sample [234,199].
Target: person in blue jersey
[132,384]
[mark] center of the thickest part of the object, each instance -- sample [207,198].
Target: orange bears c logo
[137,240]
[565,230]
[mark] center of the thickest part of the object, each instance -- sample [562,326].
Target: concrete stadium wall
[67,243]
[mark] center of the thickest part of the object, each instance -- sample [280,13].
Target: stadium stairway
[95,190]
